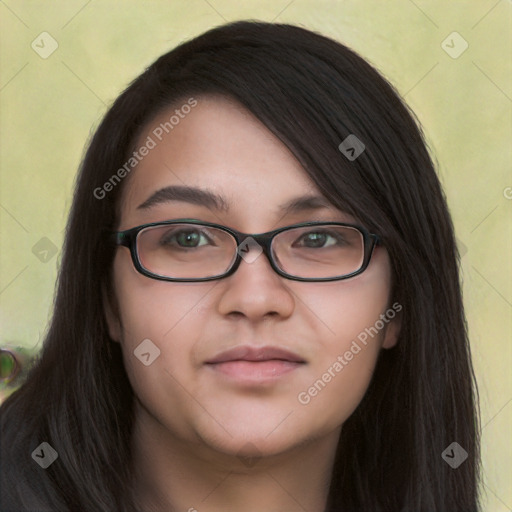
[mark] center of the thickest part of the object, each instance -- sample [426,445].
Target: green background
[50,106]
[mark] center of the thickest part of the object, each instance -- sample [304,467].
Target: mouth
[248,364]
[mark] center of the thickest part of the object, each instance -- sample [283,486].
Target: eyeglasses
[189,250]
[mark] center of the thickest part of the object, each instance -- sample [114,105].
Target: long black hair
[312,93]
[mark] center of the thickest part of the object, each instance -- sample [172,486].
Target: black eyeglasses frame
[128,238]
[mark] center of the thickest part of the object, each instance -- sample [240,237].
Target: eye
[185,238]
[320,239]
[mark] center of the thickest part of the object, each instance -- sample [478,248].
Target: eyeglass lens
[193,251]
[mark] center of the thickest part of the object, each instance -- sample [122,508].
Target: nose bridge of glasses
[250,246]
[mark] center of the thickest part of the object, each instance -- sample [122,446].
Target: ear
[111,310]
[393,329]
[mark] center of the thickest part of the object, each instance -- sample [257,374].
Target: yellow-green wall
[49,107]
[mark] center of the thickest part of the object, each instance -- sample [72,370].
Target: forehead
[218,146]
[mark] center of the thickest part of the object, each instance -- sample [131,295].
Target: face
[242,407]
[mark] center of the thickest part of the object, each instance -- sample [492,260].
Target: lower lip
[255,371]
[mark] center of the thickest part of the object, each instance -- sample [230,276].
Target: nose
[255,290]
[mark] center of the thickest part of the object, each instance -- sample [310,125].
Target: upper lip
[248,353]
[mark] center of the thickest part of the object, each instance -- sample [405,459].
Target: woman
[258,306]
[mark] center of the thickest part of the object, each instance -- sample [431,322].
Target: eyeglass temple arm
[121,238]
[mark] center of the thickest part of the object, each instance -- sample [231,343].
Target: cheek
[339,377]
[160,327]
[153,309]
[352,332]
[343,310]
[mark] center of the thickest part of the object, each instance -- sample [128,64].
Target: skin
[203,442]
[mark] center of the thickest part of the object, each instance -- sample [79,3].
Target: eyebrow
[211,200]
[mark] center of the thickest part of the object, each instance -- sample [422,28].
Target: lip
[255,365]
[256,354]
